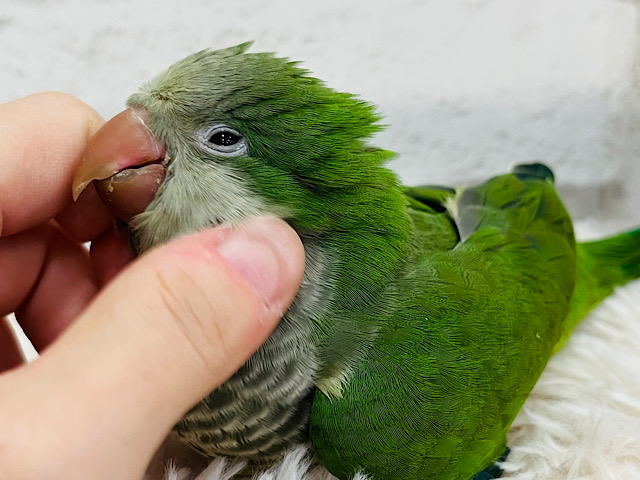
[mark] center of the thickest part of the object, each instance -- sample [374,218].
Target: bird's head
[224,135]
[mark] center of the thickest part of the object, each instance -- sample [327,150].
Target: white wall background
[468,87]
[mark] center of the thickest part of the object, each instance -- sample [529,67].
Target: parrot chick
[425,315]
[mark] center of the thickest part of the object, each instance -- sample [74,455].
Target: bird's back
[472,326]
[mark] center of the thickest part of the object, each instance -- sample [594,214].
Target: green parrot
[425,315]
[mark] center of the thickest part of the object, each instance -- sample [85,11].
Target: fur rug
[582,420]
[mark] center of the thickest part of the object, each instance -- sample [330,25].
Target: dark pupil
[224,139]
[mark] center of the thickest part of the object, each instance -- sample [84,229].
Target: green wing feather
[468,337]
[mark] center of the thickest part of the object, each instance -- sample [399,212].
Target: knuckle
[191,309]
[61,100]
[64,102]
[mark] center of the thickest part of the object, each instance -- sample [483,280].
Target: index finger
[41,142]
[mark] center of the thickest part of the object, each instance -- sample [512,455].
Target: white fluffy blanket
[582,420]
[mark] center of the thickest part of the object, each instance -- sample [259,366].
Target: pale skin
[127,346]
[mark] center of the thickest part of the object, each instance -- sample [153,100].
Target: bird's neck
[362,256]
[370,245]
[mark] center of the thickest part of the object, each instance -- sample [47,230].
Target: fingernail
[261,251]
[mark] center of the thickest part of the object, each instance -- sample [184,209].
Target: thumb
[175,324]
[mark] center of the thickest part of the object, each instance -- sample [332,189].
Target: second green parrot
[426,314]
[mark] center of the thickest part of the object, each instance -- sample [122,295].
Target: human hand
[174,324]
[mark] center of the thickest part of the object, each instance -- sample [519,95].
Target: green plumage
[426,314]
[454,361]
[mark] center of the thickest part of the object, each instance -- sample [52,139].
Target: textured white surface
[468,87]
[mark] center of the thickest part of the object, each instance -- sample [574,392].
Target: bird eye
[224,140]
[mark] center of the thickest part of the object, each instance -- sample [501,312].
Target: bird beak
[125,160]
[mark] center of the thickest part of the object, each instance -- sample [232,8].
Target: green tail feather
[602,266]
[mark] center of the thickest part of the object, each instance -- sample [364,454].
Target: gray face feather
[194,196]
[189,108]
